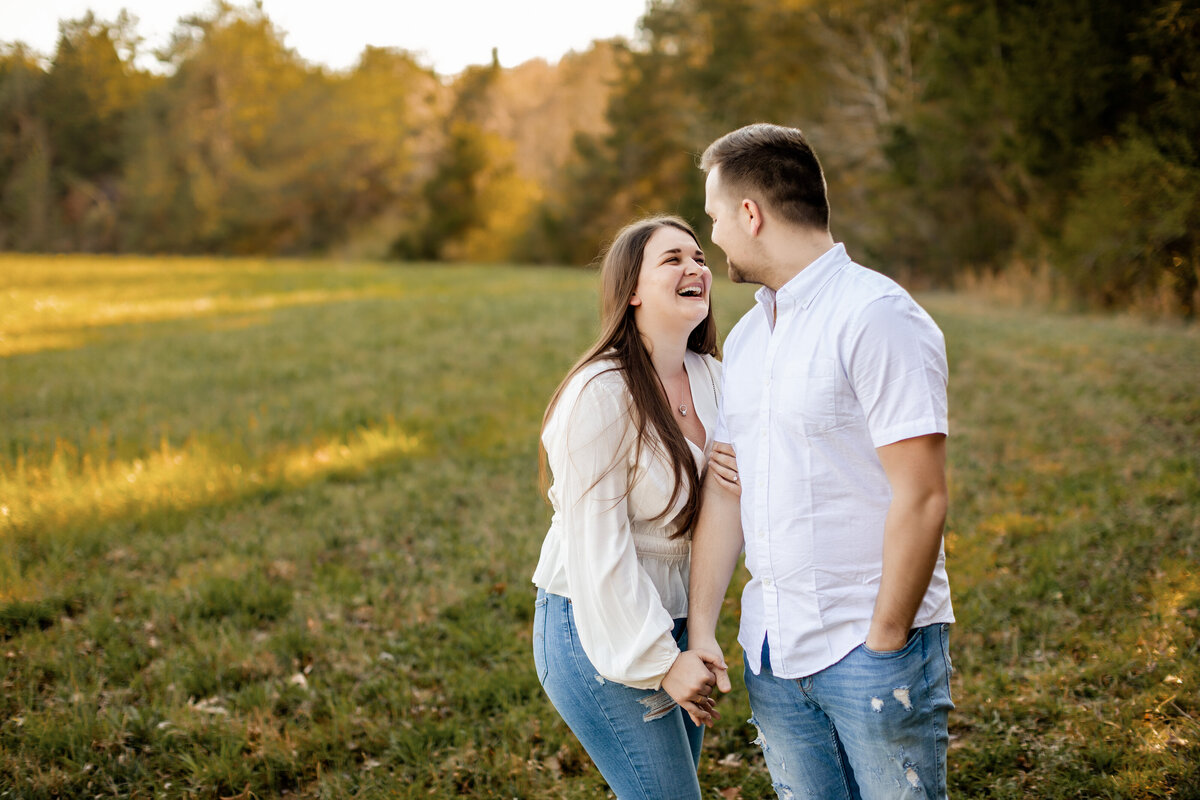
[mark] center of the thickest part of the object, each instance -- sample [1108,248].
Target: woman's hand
[723,465]
[690,683]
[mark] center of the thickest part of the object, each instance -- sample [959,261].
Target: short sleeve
[896,364]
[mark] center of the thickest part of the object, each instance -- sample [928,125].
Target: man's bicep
[915,464]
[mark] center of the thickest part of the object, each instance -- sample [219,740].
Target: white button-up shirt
[609,548]
[838,362]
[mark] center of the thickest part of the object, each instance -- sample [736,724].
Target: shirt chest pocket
[807,398]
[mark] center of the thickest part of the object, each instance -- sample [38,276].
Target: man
[835,405]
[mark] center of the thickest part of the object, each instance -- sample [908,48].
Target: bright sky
[449,34]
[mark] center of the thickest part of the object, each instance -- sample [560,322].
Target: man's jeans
[871,726]
[644,745]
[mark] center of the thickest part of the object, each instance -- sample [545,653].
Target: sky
[449,35]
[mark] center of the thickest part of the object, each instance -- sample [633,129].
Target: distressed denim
[872,726]
[644,745]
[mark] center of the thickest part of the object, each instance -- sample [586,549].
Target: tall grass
[1041,286]
[266,529]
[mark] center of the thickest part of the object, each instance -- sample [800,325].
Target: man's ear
[753,215]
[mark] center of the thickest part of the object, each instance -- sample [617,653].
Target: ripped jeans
[642,752]
[870,727]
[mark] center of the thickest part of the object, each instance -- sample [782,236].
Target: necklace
[682,407]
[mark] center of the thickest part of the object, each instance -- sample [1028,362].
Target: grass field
[266,529]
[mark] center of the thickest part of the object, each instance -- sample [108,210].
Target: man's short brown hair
[776,163]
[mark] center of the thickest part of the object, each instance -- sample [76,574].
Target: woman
[626,436]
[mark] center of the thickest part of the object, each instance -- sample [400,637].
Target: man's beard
[739,274]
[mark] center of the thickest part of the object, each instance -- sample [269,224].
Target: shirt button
[767,582]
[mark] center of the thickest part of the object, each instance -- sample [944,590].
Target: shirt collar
[802,289]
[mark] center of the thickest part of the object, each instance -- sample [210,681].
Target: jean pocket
[914,638]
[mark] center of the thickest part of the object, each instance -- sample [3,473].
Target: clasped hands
[691,681]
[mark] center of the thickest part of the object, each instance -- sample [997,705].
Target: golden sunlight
[71,489]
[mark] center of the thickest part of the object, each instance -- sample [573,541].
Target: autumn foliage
[960,137]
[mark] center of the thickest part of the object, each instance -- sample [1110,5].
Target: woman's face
[673,283]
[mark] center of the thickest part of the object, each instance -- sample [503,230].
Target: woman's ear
[635,300]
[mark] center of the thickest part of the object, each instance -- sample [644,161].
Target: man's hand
[709,649]
[883,643]
[690,683]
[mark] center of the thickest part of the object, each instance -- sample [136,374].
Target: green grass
[266,529]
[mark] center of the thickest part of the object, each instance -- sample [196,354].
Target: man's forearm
[716,546]
[912,535]
[912,542]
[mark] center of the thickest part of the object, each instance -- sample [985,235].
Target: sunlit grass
[266,528]
[80,323]
[76,491]
[56,302]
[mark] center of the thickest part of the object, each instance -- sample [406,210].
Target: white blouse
[607,549]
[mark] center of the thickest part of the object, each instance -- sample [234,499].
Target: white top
[851,363]
[605,550]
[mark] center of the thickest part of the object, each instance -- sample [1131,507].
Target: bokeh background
[1046,141]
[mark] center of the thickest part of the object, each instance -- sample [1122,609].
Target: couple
[833,398]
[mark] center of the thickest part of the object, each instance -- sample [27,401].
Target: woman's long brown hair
[620,341]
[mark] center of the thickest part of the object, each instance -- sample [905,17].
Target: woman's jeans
[871,726]
[644,745]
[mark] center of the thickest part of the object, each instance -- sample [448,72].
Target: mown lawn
[266,529]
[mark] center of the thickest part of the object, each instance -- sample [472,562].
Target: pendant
[682,410]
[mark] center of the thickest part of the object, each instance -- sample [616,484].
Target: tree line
[957,135]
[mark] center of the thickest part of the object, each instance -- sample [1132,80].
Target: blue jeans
[871,726]
[644,745]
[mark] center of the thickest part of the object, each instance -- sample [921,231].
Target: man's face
[728,229]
